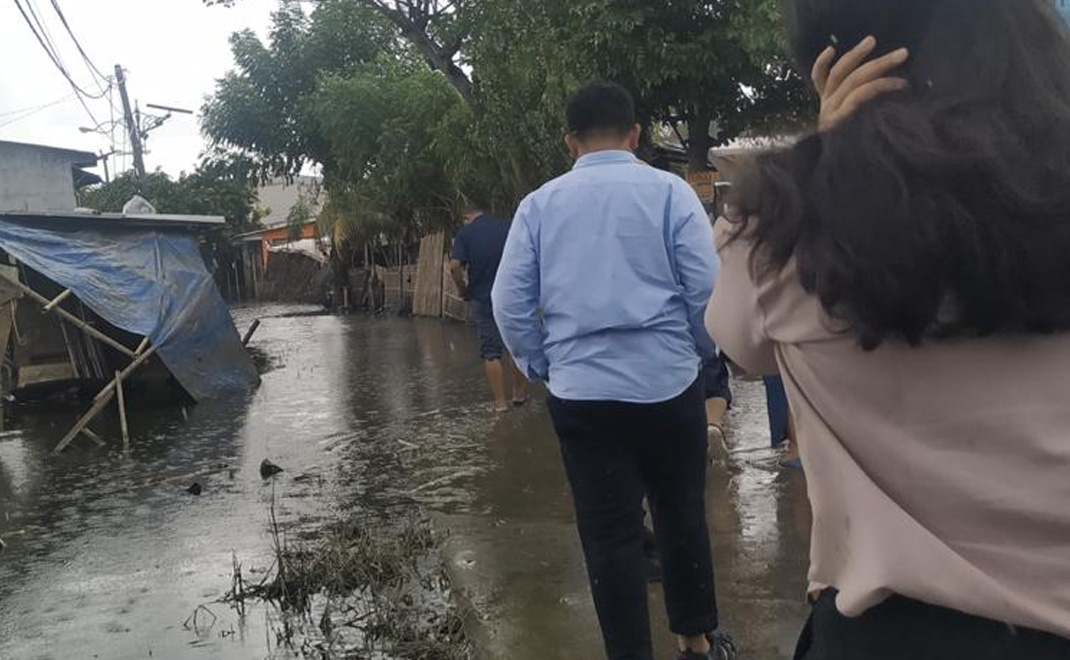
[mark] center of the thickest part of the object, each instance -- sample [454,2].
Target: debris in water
[2,545]
[195,489]
[268,469]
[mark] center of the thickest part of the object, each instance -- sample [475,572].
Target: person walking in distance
[605,276]
[477,251]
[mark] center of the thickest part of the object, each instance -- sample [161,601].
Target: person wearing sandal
[476,254]
[887,265]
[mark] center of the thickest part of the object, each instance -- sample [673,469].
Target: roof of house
[78,158]
[281,195]
[253,236]
[162,220]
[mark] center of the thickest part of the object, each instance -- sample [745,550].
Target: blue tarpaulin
[147,280]
[1064,8]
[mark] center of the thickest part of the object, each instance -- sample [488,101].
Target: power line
[93,69]
[16,116]
[8,113]
[54,56]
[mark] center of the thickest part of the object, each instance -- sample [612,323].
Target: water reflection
[109,555]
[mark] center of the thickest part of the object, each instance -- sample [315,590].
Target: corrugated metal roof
[153,219]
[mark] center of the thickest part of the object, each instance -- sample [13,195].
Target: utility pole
[131,124]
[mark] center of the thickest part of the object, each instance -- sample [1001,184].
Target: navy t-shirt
[479,245]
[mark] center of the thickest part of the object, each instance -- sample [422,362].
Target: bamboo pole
[70,318]
[250,332]
[88,432]
[57,300]
[122,410]
[103,399]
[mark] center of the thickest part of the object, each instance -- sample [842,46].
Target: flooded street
[108,556]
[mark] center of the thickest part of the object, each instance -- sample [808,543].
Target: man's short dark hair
[601,107]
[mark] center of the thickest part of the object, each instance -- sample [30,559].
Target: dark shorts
[491,346]
[715,379]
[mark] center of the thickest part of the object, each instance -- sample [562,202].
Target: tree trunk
[699,141]
[438,57]
[442,63]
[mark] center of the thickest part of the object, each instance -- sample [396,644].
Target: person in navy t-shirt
[477,251]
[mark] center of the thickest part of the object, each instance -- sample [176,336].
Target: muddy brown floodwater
[108,556]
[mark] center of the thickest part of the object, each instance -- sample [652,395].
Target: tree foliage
[410,105]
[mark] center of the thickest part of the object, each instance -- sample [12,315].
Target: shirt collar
[613,157]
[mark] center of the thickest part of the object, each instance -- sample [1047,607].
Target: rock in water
[269,469]
[195,489]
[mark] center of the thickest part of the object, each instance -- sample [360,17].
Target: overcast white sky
[172,50]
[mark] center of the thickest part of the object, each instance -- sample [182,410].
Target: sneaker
[721,648]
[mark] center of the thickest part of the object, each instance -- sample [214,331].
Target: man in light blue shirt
[606,274]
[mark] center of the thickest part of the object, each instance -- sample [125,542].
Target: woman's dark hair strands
[943,210]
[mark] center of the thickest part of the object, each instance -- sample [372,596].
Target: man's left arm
[696,262]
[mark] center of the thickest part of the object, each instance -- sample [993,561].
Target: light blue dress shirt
[605,277]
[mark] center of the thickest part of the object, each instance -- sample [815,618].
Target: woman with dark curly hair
[906,269]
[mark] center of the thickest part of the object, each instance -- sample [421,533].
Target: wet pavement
[108,556]
[520,560]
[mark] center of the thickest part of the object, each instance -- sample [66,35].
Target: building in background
[291,234]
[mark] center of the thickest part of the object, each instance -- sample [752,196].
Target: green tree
[712,68]
[262,109]
[410,105]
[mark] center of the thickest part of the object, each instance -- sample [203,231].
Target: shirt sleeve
[735,318]
[696,263]
[516,297]
[459,251]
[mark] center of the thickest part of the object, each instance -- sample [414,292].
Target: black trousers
[904,629]
[615,453]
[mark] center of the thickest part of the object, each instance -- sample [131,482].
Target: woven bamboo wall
[392,287]
[427,294]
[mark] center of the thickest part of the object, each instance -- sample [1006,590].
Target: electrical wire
[93,69]
[54,56]
[16,116]
[8,113]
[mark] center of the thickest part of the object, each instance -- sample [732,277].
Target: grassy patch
[371,591]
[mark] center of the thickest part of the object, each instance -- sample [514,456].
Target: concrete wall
[35,179]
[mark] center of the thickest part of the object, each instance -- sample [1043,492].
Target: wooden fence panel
[427,295]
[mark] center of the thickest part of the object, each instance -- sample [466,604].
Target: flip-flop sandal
[519,402]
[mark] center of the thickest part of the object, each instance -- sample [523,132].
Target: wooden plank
[250,332]
[35,374]
[121,396]
[57,300]
[392,287]
[68,317]
[7,323]
[88,432]
[102,400]
[427,294]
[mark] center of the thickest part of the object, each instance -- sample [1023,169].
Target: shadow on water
[108,555]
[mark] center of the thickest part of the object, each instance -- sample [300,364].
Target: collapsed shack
[112,301]
[297,272]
